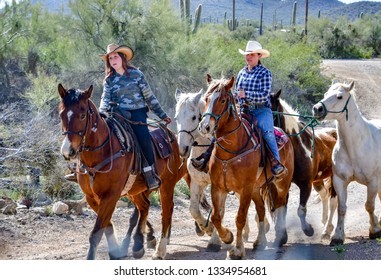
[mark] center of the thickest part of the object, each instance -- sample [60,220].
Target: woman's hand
[167,120]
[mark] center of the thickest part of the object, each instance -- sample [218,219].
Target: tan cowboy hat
[255,47]
[126,50]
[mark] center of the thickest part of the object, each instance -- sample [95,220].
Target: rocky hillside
[281,10]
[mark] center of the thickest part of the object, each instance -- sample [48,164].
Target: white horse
[356,155]
[189,110]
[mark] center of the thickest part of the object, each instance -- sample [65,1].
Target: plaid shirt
[257,84]
[131,91]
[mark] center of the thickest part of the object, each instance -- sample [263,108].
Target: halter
[194,143]
[337,112]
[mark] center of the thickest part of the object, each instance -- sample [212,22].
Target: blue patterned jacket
[131,91]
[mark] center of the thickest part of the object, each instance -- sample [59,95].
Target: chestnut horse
[189,110]
[356,155]
[104,173]
[235,166]
[313,161]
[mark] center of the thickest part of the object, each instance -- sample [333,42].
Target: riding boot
[277,168]
[201,162]
[152,179]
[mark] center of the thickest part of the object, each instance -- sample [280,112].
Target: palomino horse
[235,166]
[356,155]
[189,110]
[313,161]
[104,172]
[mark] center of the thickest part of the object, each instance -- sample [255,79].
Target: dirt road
[33,236]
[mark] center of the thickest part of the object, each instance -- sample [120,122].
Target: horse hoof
[138,254]
[259,246]
[151,244]
[374,235]
[280,241]
[199,231]
[336,241]
[213,248]
[309,231]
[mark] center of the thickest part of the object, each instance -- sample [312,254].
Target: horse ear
[89,91]
[177,94]
[230,83]
[61,91]
[350,86]
[278,93]
[208,79]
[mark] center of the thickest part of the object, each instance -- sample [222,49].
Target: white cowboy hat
[255,47]
[126,50]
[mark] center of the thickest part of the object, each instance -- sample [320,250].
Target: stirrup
[153,181]
[279,170]
[72,177]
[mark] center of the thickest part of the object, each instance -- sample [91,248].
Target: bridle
[82,133]
[229,107]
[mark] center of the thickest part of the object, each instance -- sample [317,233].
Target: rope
[311,123]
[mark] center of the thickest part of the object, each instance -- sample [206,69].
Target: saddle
[161,137]
[251,124]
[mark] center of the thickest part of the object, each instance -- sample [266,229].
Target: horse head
[75,113]
[334,103]
[189,110]
[219,103]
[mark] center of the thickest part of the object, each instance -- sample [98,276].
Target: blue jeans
[266,124]
[142,133]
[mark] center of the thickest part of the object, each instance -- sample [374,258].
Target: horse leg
[246,229]
[103,223]
[262,223]
[114,250]
[142,202]
[341,190]
[332,205]
[281,198]
[132,224]
[218,201]
[374,229]
[305,192]
[166,199]
[196,192]
[238,251]
[151,240]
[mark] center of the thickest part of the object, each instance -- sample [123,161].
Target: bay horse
[105,174]
[356,155]
[189,110]
[235,166]
[313,148]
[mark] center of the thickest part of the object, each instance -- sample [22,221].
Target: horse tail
[269,195]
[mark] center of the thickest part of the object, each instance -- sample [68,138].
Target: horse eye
[339,97]
[193,118]
[83,116]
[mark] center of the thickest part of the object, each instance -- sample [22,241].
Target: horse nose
[316,109]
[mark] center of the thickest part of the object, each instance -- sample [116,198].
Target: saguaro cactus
[186,17]
[294,15]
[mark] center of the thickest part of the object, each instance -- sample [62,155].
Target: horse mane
[73,96]
[217,84]
[186,98]
[293,115]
